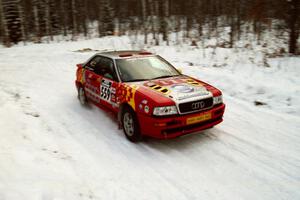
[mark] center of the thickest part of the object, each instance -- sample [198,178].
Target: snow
[52,148]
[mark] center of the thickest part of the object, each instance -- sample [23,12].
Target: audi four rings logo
[198,105]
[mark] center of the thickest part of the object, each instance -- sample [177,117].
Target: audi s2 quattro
[149,96]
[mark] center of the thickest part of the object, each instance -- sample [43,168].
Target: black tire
[130,125]
[82,96]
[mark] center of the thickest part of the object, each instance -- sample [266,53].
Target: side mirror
[93,63]
[180,70]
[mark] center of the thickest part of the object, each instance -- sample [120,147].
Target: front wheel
[130,125]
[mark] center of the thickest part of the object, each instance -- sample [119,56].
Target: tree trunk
[63,17]
[292,23]
[165,21]
[232,31]
[74,19]
[151,4]
[22,22]
[84,20]
[144,21]
[100,16]
[178,29]
[238,21]
[257,30]
[156,21]
[3,27]
[36,21]
[48,20]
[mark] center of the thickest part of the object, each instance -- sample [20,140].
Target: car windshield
[145,68]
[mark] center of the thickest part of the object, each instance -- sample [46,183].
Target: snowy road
[53,148]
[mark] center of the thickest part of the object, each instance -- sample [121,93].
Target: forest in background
[32,20]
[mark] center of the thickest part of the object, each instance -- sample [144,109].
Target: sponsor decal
[182,88]
[146,109]
[180,85]
[144,101]
[131,94]
[105,90]
[141,106]
[172,81]
[200,118]
[126,93]
[92,92]
[193,82]
[113,95]
[167,82]
[186,96]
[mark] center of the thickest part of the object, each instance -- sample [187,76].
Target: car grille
[194,106]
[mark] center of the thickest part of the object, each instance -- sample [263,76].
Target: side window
[106,69]
[92,64]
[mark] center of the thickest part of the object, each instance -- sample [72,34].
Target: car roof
[124,54]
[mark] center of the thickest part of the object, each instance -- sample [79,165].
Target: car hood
[179,89]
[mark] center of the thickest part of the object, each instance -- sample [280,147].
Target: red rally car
[149,95]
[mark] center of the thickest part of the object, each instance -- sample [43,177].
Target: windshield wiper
[135,80]
[165,76]
[146,79]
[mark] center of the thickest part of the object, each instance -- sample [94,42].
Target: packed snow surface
[52,148]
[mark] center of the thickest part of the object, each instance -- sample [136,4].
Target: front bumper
[174,126]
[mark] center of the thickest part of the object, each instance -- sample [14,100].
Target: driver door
[108,82]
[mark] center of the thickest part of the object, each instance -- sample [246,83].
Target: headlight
[218,100]
[166,110]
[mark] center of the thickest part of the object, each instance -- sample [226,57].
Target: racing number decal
[105,88]
[105,93]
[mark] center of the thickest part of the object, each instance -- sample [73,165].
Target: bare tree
[22,19]
[144,21]
[165,24]
[105,18]
[152,18]
[293,25]
[156,19]
[74,18]
[12,18]
[48,20]
[3,26]
[37,28]
[83,17]
[63,17]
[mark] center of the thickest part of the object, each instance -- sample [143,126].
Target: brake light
[125,55]
[145,53]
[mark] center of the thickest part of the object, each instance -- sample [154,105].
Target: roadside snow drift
[53,148]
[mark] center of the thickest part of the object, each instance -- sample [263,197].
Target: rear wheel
[130,125]
[81,96]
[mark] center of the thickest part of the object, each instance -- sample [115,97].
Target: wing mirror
[93,63]
[179,70]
